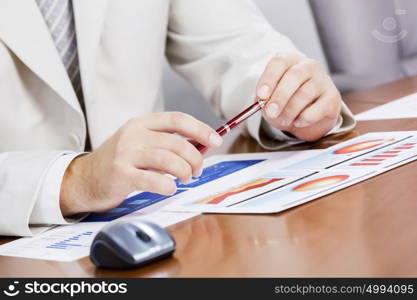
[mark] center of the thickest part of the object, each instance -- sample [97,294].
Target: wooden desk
[369,229]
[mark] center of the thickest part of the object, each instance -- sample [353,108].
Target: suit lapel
[89,16]
[23,30]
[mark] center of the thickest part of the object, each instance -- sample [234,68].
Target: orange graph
[320,183]
[362,146]
[258,183]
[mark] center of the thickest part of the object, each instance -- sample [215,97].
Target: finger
[325,107]
[166,162]
[303,97]
[152,182]
[179,146]
[315,131]
[291,81]
[186,125]
[273,72]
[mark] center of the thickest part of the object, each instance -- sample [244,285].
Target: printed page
[270,188]
[399,109]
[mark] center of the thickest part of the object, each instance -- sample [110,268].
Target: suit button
[75,140]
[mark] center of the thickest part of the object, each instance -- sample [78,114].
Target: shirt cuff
[281,136]
[47,207]
[276,134]
[337,126]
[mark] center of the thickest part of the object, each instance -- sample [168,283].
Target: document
[72,242]
[63,243]
[240,183]
[270,187]
[217,168]
[399,109]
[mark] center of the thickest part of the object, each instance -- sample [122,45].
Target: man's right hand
[136,157]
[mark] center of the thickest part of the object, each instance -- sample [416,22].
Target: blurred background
[361,43]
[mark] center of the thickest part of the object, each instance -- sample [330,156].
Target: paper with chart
[243,183]
[64,243]
[269,188]
[217,168]
[402,108]
[72,242]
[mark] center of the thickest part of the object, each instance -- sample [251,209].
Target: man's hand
[135,158]
[303,99]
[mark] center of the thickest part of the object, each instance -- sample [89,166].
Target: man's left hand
[303,98]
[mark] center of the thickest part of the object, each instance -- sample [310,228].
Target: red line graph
[377,159]
[373,159]
[364,164]
[385,155]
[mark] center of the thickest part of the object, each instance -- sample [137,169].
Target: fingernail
[301,124]
[198,173]
[215,139]
[172,192]
[187,180]
[284,122]
[272,110]
[264,92]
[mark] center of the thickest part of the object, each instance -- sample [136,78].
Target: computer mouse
[125,245]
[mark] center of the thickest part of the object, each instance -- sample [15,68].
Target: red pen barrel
[223,130]
[203,149]
[200,147]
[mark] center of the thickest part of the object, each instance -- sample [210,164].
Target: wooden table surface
[369,229]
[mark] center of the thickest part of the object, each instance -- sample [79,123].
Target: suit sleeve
[221,48]
[22,175]
[47,208]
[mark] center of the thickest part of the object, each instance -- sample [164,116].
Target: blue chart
[145,199]
[74,241]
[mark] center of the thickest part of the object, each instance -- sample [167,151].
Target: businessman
[81,125]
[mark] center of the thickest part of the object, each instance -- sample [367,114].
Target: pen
[226,128]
